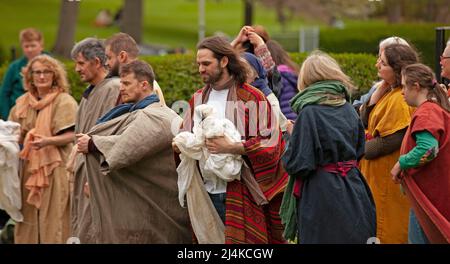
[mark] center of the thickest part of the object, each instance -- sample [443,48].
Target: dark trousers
[218,200]
[4,217]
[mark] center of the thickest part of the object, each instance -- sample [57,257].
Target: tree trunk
[394,11]
[66,30]
[281,16]
[248,12]
[132,19]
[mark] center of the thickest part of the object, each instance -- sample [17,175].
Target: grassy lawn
[172,23]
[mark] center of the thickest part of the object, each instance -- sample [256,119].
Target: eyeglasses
[45,72]
[445,57]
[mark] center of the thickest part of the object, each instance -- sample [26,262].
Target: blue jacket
[11,87]
[289,90]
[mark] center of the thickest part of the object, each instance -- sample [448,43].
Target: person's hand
[290,126]
[83,143]
[40,142]
[396,173]
[223,144]
[379,92]
[86,190]
[255,39]
[242,36]
[175,147]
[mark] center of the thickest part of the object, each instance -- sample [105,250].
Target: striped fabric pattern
[246,222]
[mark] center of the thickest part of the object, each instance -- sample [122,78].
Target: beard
[213,78]
[114,70]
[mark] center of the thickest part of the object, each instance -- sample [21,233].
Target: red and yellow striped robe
[246,222]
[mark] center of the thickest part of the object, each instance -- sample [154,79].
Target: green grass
[173,23]
[166,22]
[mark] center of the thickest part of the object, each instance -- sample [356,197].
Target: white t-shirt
[218,100]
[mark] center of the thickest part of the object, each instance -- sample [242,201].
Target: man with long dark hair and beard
[248,207]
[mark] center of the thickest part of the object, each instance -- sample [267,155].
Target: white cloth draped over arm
[276,110]
[206,223]
[10,192]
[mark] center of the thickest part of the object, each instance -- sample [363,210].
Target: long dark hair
[221,48]
[399,56]
[424,77]
[280,56]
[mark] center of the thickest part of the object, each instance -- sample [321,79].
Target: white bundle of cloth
[10,193]
[205,220]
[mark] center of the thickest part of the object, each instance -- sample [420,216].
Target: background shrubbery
[364,38]
[179,79]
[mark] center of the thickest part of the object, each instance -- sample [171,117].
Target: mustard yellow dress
[389,115]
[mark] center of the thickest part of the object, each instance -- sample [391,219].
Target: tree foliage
[393,10]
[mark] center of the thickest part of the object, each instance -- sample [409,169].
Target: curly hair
[399,56]
[59,74]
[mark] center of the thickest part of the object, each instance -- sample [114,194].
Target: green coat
[11,87]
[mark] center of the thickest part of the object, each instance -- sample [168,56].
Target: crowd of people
[269,152]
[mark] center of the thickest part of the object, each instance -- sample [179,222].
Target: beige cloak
[101,99]
[133,179]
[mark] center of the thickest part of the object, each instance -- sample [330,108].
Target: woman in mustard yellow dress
[386,117]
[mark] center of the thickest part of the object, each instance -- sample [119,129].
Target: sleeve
[65,113]
[144,136]
[365,97]
[303,152]
[275,104]
[265,148]
[265,138]
[365,112]
[12,115]
[381,146]
[5,92]
[263,53]
[431,120]
[361,143]
[426,150]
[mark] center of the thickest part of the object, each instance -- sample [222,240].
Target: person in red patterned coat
[249,207]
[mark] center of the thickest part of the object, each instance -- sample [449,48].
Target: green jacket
[11,87]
